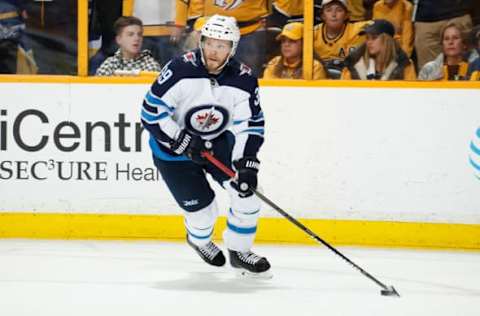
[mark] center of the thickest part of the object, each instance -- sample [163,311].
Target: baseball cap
[293,31]
[377,27]
[342,2]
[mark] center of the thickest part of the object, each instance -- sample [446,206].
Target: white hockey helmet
[223,28]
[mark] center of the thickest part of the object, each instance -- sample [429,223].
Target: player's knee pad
[199,224]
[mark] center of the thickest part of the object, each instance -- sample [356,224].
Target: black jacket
[355,58]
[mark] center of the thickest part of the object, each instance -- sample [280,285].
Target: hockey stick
[386,290]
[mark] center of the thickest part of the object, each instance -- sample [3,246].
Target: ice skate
[248,264]
[210,253]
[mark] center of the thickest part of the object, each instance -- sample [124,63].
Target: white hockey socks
[242,220]
[200,224]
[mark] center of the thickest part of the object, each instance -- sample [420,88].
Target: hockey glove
[247,169]
[191,145]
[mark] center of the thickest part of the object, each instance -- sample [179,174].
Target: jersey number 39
[165,74]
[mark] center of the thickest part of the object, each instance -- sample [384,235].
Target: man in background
[129,56]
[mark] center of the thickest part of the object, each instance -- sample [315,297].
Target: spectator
[285,11]
[251,17]
[336,37]
[129,57]
[12,26]
[282,12]
[290,64]
[399,13]
[380,58]
[431,16]
[450,64]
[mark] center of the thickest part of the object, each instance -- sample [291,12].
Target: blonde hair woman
[380,57]
[450,64]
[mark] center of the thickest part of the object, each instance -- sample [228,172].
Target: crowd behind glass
[352,39]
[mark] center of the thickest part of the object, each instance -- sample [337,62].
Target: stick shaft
[291,219]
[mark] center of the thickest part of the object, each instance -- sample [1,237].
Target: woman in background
[450,64]
[380,57]
[289,65]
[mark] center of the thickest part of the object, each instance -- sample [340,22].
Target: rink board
[270,230]
[398,164]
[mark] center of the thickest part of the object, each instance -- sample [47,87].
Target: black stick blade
[389,291]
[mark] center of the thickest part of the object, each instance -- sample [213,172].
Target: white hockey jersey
[185,95]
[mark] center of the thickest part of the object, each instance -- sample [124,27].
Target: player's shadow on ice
[217,282]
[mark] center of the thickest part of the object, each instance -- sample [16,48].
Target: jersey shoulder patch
[244,69]
[190,57]
[240,69]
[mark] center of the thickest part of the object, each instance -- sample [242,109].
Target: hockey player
[206,100]
[250,15]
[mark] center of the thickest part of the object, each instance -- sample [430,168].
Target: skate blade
[245,274]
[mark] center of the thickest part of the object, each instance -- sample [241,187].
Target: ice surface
[40,277]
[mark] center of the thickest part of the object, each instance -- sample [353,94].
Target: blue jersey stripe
[153,118]
[155,101]
[238,122]
[259,131]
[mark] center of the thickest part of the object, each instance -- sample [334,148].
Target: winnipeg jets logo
[224,4]
[206,119]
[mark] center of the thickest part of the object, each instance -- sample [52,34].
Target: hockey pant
[188,184]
